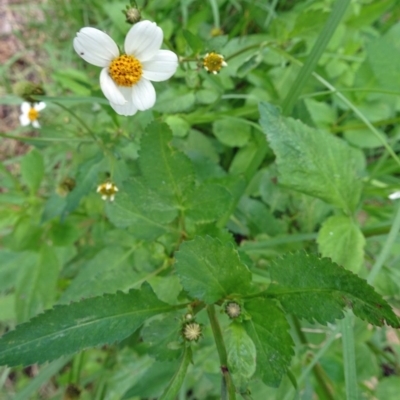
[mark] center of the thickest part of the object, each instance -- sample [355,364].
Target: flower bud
[132,15]
[191,331]
[233,309]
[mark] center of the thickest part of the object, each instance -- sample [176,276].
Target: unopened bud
[132,15]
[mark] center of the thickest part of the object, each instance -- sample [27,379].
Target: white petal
[39,106]
[24,120]
[25,107]
[95,47]
[161,67]
[110,89]
[143,40]
[143,95]
[35,123]
[128,108]
[394,195]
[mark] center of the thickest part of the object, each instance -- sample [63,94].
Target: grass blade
[325,36]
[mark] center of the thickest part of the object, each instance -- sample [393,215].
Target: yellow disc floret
[107,191]
[125,70]
[33,114]
[213,62]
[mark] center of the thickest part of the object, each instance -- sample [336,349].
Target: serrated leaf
[207,203]
[32,170]
[143,208]
[241,354]
[312,162]
[314,288]
[36,286]
[210,270]
[342,240]
[70,328]
[162,336]
[166,170]
[268,329]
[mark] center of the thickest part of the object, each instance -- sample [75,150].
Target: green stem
[223,357]
[319,47]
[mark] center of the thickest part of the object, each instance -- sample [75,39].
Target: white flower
[30,113]
[213,62]
[107,191]
[125,79]
[394,195]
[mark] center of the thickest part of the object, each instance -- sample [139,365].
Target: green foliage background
[266,185]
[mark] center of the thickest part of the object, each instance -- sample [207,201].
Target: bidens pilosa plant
[246,245]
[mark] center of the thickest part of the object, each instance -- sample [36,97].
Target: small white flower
[213,62]
[125,79]
[394,195]
[107,191]
[30,113]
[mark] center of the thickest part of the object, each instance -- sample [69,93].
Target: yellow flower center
[213,62]
[125,70]
[33,114]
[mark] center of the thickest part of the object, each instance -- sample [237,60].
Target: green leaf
[70,328]
[210,270]
[268,329]
[12,263]
[314,288]
[341,239]
[108,271]
[381,52]
[207,203]
[162,336]
[143,208]
[32,170]
[241,355]
[312,162]
[153,381]
[85,182]
[36,287]
[174,386]
[166,170]
[233,132]
[195,43]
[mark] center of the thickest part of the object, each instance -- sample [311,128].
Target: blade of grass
[324,37]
